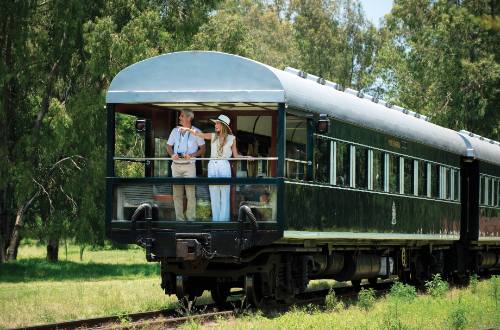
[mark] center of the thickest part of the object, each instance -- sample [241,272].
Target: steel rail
[170,317]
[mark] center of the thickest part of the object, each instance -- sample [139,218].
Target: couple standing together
[186,142]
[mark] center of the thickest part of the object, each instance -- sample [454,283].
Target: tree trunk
[14,240]
[16,234]
[53,250]
[2,249]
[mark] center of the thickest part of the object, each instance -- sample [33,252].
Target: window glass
[322,160]
[296,136]
[495,193]
[456,184]
[435,180]
[343,161]
[447,182]
[491,192]
[393,173]
[422,179]
[378,170]
[481,190]
[361,167]
[408,176]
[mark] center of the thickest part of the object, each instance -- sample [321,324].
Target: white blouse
[226,149]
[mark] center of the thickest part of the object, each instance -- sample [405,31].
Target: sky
[376,9]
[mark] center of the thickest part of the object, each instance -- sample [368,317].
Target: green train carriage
[359,189]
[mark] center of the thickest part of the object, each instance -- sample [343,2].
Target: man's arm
[170,151]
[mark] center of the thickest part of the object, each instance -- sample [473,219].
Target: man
[182,146]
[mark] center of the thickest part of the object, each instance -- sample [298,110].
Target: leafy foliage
[366,298]
[403,291]
[436,287]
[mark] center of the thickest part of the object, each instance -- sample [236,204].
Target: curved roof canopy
[201,76]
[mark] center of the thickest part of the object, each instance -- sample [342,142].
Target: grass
[110,282]
[96,265]
[455,309]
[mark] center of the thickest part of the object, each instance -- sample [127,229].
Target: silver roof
[202,76]
[481,147]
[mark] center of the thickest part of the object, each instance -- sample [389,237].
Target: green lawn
[109,282]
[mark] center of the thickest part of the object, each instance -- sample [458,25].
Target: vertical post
[110,140]
[110,164]
[148,148]
[310,149]
[281,139]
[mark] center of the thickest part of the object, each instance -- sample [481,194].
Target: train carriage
[354,188]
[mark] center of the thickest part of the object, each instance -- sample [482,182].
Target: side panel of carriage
[366,185]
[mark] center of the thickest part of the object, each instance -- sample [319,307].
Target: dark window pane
[435,180]
[361,167]
[296,129]
[343,161]
[393,174]
[422,178]
[408,183]
[481,190]
[378,170]
[457,185]
[322,160]
[448,183]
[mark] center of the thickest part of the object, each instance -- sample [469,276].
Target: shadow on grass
[28,270]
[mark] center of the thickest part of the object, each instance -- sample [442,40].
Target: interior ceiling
[218,106]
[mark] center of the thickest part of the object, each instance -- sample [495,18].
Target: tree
[335,41]
[442,60]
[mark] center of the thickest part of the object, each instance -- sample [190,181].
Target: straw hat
[224,120]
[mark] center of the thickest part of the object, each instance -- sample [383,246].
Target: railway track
[168,318]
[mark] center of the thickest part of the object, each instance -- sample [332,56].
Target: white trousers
[219,194]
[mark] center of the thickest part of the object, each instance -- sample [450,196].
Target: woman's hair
[224,131]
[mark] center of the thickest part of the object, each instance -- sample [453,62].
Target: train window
[435,180]
[361,167]
[481,189]
[393,173]
[457,185]
[322,150]
[497,192]
[493,192]
[296,157]
[343,164]
[408,176]
[447,183]
[378,170]
[486,190]
[422,179]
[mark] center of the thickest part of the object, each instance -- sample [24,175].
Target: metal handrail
[193,158]
[298,161]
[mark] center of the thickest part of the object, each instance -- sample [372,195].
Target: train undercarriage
[278,273]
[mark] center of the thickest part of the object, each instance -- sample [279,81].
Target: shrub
[331,300]
[403,291]
[366,298]
[473,283]
[495,289]
[436,287]
[458,318]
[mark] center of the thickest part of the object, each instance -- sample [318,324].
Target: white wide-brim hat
[223,119]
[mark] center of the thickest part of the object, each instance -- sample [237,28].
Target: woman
[223,145]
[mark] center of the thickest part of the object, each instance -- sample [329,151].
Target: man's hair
[188,113]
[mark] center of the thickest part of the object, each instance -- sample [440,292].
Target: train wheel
[253,291]
[373,281]
[220,292]
[356,284]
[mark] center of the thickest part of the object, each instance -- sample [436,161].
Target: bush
[473,283]
[403,291]
[495,289]
[458,318]
[436,287]
[366,298]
